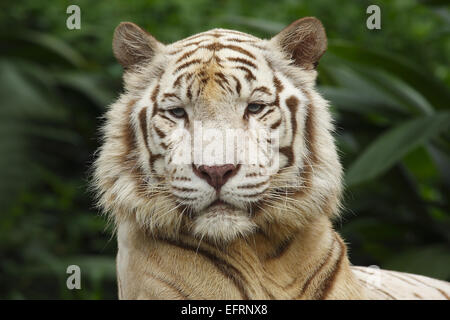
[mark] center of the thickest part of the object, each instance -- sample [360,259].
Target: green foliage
[388,90]
[392,146]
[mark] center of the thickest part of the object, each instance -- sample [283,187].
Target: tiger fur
[219,230]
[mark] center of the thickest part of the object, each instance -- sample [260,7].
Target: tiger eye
[178,112]
[255,108]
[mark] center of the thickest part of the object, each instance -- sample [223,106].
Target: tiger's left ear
[304,41]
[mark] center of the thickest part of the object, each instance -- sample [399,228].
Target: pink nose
[216,176]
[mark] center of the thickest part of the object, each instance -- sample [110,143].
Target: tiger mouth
[218,204]
[219,207]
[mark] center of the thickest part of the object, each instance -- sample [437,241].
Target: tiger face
[220,134]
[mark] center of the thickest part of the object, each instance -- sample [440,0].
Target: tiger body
[208,228]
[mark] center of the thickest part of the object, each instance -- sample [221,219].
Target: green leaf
[394,145]
[347,99]
[397,91]
[367,89]
[55,45]
[88,85]
[423,81]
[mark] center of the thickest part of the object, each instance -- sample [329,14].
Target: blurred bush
[389,93]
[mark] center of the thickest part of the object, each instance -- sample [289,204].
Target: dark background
[389,93]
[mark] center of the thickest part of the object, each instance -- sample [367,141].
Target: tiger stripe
[167,283]
[225,268]
[281,249]
[243,61]
[313,276]
[329,282]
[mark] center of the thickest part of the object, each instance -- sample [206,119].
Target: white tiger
[193,224]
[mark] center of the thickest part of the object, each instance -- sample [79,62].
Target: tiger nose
[216,176]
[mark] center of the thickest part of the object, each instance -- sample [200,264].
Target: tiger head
[220,134]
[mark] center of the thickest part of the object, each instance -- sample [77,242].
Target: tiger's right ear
[132,45]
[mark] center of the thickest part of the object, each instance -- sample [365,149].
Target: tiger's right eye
[255,108]
[178,112]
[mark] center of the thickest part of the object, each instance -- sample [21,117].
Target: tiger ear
[132,45]
[304,41]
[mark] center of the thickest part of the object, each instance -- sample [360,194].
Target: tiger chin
[219,170]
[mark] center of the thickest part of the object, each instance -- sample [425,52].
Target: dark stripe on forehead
[240,40]
[187,64]
[238,85]
[186,55]
[170,95]
[217,34]
[244,61]
[222,77]
[175,52]
[221,84]
[214,47]
[261,89]
[278,88]
[246,35]
[189,91]
[217,60]
[222,81]
[177,82]
[278,85]
[249,76]
[155,93]
[219,46]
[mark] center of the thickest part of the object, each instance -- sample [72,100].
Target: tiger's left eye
[255,108]
[178,112]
